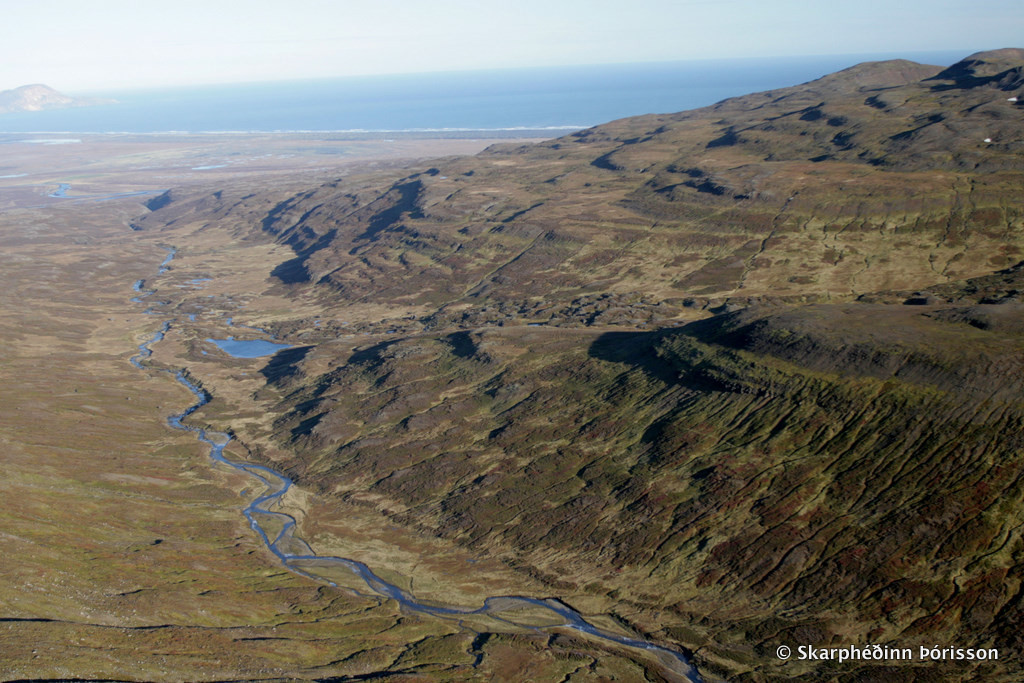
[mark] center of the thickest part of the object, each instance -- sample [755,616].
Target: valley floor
[126,556]
[718,476]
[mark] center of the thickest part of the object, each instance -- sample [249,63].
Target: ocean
[512,101]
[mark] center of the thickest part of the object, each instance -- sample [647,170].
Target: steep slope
[839,473]
[826,453]
[783,194]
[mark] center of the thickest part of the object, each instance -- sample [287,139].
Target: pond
[256,348]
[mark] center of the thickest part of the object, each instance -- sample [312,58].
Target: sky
[107,45]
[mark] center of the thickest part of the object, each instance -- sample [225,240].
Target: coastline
[37,165]
[339,134]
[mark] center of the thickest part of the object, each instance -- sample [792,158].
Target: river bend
[297,556]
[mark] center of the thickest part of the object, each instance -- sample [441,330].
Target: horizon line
[862,56]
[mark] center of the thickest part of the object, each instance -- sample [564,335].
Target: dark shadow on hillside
[404,203]
[371,356]
[727,139]
[718,329]
[303,241]
[641,350]
[306,426]
[284,364]
[292,271]
[605,161]
[637,349]
[461,344]
[159,201]
[964,77]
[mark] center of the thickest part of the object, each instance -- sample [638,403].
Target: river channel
[278,533]
[62,193]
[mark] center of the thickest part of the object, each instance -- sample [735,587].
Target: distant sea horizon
[513,102]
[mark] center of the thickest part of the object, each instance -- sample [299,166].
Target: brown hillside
[750,374]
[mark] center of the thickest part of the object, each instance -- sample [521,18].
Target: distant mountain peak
[884,74]
[38,97]
[1004,68]
[992,62]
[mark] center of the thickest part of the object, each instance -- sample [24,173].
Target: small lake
[248,349]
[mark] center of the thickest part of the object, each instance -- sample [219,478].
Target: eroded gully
[297,555]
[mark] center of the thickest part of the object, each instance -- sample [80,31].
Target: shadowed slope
[785,194]
[833,458]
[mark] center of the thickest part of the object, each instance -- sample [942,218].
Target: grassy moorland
[740,377]
[126,556]
[728,379]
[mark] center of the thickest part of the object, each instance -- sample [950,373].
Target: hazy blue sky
[111,44]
